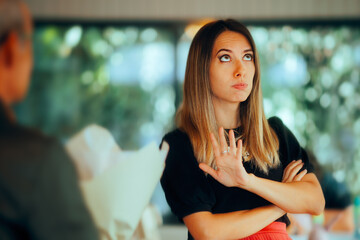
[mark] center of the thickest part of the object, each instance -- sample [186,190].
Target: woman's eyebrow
[223,49]
[228,50]
[248,50]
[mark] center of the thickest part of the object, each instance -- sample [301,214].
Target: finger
[287,167]
[290,167]
[294,172]
[293,164]
[239,150]
[232,142]
[223,144]
[286,172]
[208,170]
[300,175]
[215,145]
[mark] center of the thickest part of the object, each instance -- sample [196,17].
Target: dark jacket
[39,193]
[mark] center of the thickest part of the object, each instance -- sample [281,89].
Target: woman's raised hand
[230,170]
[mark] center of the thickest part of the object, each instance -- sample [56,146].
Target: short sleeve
[186,187]
[289,148]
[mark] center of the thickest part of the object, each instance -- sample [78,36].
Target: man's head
[15,50]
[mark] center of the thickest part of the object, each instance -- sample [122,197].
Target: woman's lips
[240,86]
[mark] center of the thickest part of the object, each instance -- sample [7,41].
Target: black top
[189,190]
[39,193]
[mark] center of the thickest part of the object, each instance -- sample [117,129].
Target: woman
[224,190]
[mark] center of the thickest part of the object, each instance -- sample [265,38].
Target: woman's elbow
[211,233]
[317,200]
[203,235]
[317,207]
[202,229]
[199,235]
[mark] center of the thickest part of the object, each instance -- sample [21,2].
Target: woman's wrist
[248,185]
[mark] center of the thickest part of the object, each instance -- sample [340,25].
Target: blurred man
[39,193]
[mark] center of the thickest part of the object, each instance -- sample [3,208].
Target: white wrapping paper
[117,185]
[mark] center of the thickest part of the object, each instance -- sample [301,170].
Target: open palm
[230,170]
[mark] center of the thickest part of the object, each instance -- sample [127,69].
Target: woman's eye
[248,57]
[225,58]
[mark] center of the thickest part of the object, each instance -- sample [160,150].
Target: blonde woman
[230,173]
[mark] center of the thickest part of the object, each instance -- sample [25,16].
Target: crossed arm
[234,225]
[297,193]
[303,196]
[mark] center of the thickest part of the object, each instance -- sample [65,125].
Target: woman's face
[232,69]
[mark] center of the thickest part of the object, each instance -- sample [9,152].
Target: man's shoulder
[24,141]
[22,134]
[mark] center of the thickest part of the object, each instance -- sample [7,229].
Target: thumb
[208,170]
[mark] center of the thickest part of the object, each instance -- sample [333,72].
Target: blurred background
[121,63]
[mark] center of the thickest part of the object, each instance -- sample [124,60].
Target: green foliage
[123,78]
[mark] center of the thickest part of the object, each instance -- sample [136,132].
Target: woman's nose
[239,69]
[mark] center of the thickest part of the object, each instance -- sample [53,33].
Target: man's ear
[10,47]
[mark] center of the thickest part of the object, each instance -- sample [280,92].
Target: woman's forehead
[231,40]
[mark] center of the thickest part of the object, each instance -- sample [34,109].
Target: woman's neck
[227,115]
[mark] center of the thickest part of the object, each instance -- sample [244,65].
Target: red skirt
[274,231]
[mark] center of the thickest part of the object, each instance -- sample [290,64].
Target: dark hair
[11,19]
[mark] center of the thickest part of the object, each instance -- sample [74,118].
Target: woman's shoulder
[276,123]
[289,147]
[279,127]
[181,154]
[176,136]
[179,142]
[281,130]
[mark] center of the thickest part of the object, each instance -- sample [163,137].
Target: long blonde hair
[196,115]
